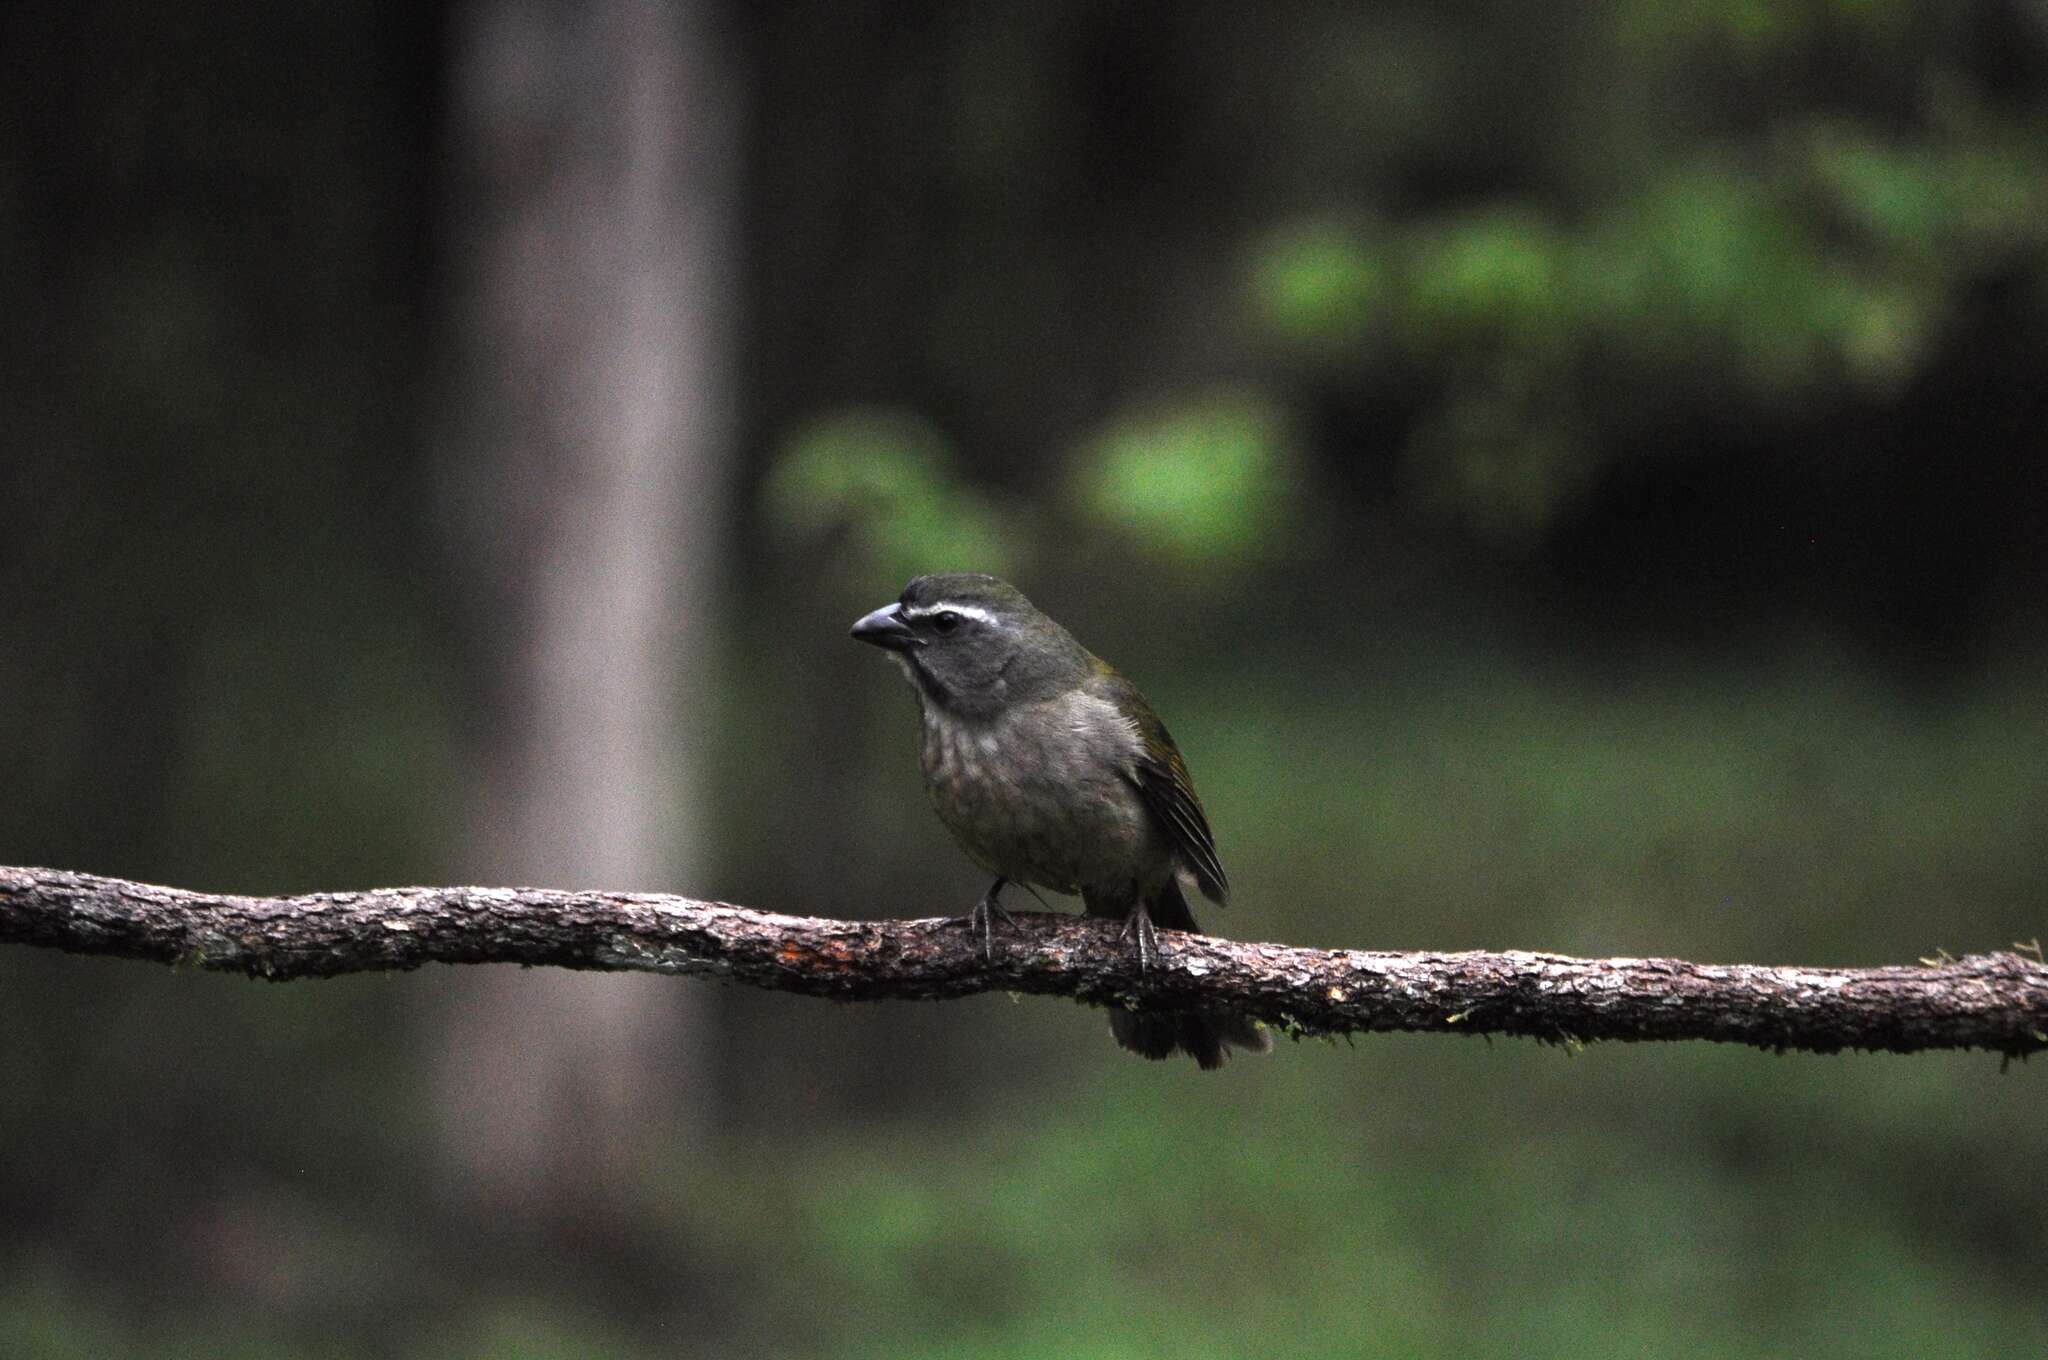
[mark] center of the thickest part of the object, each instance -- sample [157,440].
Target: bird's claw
[981,921]
[1138,928]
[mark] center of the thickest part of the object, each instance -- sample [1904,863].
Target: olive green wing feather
[1162,780]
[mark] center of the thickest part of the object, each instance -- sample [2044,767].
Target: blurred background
[1571,475]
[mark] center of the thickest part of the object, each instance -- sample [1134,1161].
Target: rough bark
[1990,1001]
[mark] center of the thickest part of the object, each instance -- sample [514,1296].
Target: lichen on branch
[1996,1001]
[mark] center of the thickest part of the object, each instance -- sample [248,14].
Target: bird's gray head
[973,644]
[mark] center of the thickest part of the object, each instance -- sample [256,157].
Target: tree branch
[1990,1001]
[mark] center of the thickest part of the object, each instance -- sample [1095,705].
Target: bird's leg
[1138,927]
[981,921]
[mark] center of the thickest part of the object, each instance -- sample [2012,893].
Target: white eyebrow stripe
[965,611]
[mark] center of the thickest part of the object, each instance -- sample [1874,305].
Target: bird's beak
[886,628]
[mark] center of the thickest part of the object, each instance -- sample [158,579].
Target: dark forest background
[1573,477]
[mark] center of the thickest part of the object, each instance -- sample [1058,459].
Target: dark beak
[886,628]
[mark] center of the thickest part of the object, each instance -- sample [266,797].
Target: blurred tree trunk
[593,189]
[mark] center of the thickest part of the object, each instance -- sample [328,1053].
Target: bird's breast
[1039,796]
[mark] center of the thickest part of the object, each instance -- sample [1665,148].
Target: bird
[1051,771]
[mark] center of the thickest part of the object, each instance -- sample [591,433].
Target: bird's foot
[981,921]
[1138,928]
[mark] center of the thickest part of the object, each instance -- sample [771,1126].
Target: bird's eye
[946,621]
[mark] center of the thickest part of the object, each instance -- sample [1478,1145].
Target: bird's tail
[1202,1035]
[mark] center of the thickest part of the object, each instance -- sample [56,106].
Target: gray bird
[1052,771]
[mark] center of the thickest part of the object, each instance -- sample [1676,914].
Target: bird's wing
[1162,780]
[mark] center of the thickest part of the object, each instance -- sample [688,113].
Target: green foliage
[1492,278]
[889,478]
[1442,1209]
[1319,285]
[1818,268]
[1763,211]
[1472,786]
[1207,484]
